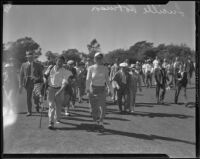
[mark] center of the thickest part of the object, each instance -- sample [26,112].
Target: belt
[55,87]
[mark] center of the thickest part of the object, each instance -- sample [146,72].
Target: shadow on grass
[190,105]
[152,104]
[153,115]
[107,118]
[94,128]
[82,107]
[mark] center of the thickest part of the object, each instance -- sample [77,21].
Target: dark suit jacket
[118,79]
[161,77]
[25,72]
[182,80]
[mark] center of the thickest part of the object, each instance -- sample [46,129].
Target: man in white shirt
[156,63]
[148,73]
[58,79]
[143,72]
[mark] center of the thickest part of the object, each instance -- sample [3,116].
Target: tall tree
[93,48]
[17,50]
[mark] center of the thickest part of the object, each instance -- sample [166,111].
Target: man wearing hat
[122,79]
[135,82]
[114,70]
[30,73]
[148,73]
[81,80]
[70,67]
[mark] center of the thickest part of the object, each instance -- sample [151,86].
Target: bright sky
[62,27]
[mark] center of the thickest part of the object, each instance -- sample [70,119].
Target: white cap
[98,54]
[123,64]
[8,65]
[70,62]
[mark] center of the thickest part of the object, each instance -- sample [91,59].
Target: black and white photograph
[99,79]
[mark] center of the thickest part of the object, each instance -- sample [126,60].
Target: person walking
[148,74]
[96,81]
[143,72]
[38,84]
[135,83]
[30,73]
[189,68]
[176,69]
[81,79]
[114,70]
[161,83]
[122,79]
[58,79]
[70,67]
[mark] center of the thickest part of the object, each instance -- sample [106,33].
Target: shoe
[50,127]
[101,127]
[28,114]
[58,122]
[67,114]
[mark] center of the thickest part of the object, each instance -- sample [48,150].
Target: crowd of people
[65,82]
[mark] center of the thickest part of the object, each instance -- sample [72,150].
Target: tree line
[139,51]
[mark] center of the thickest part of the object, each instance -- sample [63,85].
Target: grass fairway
[153,128]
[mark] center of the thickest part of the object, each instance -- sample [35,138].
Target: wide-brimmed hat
[29,53]
[70,62]
[123,64]
[98,54]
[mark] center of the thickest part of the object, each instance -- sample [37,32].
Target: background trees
[93,47]
[17,50]
[139,51]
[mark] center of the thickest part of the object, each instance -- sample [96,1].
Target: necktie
[123,78]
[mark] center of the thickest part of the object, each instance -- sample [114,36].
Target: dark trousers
[148,79]
[73,96]
[177,92]
[160,97]
[29,89]
[122,93]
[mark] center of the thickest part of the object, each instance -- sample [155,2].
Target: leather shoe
[28,114]
[50,127]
